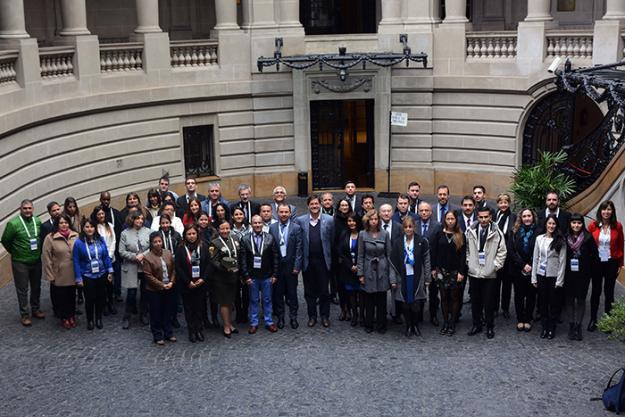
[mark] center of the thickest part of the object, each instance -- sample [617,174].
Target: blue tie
[442,218]
[425,229]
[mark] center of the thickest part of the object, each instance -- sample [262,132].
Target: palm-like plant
[531,183]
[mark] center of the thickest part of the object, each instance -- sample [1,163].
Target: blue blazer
[294,245]
[327,237]
[396,216]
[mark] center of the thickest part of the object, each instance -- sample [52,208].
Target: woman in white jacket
[549,265]
[107,231]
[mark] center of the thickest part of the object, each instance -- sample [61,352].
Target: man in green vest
[22,239]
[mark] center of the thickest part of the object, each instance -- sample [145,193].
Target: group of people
[209,257]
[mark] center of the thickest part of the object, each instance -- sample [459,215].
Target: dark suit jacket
[433,228]
[397,216]
[274,211]
[270,258]
[46,228]
[183,268]
[181,203]
[294,246]
[461,223]
[344,259]
[255,207]
[563,220]
[414,206]
[436,211]
[397,230]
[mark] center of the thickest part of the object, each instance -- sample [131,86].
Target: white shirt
[388,229]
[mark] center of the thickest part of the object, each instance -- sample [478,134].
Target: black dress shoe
[325,322]
[227,335]
[191,337]
[415,330]
[312,322]
[434,321]
[544,333]
[334,300]
[490,333]
[126,323]
[199,336]
[90,325]
[294,324]
[474,330]
[451,330]
[551,334]
[280,323]
[592,325]
[408,332]
[98,323]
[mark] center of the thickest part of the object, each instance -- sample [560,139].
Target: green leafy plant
[614,323]
[531,183]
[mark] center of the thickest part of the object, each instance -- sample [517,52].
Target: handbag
[614,395]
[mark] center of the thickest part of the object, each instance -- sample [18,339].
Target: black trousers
[285,288]
[483,297]
[65,299]
[548,302]
[161,305]
[504,289]
[95,297]
[316,279]
[451,302]
[54,300]
[433,298]
[608,272]
[413,313]
[524,298]
[194,303]
[242,302]
[375,306]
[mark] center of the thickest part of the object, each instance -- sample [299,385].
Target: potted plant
[614,323]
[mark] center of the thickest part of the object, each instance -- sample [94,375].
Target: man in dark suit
[396,231]
[479,195]
[350,195]
[54,210]
[279,196]
[259,268]
[367,202]
[467,214]
[428,228]
[288,236]
[403,209]
[552,206]
[249,207]
[443,205]
[317,237]
[327,204]
[183,201]
[214,198]
[414,189]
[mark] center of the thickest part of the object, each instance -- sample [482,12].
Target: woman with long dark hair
[92,266]
[160,278]
[341,214]
[58,265]
[221,214]
[107,232]
[133,202]
[549,265]
[192,213]
[608,235]
[193,271]
[154,203]
[347,255]
[583,263]
[449,254]
[521,253]
[171,240]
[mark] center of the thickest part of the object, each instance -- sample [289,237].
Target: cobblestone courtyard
[47,371]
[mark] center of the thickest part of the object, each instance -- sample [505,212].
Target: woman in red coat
[608,234]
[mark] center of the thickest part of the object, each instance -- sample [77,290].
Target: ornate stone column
[147,17]
[226,14]
[391,12]
[455,11]
[12,21]
[74,16]
[420,11]
[538,11]
[614,10]
[289,13]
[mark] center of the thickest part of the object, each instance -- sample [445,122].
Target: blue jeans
[260,286]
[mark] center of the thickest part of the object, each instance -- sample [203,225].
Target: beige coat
[57,260]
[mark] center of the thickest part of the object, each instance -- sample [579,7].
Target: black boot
[572,331]
[578,331]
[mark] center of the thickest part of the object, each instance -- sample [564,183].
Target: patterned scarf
[575,242]
[526,233]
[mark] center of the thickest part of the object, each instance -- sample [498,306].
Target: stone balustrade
[124,57]
[8,60]
[491,45]
[56,62]
[569,44]
[200,53]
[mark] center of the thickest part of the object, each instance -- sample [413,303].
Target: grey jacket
[555,261]
[374,262]
[494,249]
[131,243]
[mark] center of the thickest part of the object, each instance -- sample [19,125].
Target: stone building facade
[111,95]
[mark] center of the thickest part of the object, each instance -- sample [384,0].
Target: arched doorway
[560,120]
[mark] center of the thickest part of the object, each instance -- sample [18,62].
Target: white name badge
[165,277]
[542,270]
[257,262]
[409,269]
[283,250]
[33,244]
[604,255]
[195,271]
[575,265]
[95,266]
[481,258]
